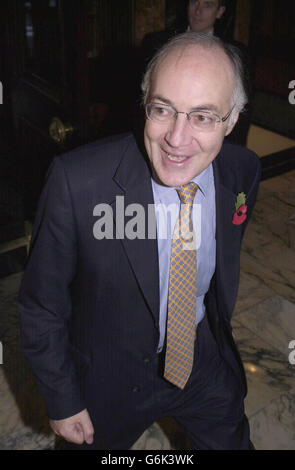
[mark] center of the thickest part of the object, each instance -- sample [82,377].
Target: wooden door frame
[74,54]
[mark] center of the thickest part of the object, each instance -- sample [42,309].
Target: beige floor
[264,142]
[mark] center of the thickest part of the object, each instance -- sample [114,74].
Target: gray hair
[191,38]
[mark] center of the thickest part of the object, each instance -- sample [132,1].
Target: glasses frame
[217,121]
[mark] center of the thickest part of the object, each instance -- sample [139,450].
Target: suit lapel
[133,177]
[134,180]
[228,239]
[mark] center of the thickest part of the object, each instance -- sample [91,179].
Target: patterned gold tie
[182,296]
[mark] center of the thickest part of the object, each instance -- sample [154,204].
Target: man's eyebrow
[201,107]
[206,107]
[163,100]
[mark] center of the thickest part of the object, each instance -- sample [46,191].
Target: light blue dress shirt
[167,204]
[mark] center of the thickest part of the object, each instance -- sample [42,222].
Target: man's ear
[220,12]
[230,128]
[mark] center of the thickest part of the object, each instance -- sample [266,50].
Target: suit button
[136,388]
[147,360]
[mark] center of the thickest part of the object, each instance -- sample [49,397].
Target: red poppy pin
[241,209]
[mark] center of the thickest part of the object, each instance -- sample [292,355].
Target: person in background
[202,14]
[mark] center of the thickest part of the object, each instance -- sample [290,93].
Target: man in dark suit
[110,352]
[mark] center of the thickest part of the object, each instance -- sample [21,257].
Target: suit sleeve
[44,299]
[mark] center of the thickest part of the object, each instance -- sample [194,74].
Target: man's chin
[172,181]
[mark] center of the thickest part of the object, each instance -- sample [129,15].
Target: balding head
[198,42]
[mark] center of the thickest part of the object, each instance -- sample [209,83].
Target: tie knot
[187,193]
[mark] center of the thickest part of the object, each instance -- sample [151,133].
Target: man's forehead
[194,73]
[195,56]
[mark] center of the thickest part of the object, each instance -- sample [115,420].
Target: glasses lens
[159,112]
[202,121]
[205,121]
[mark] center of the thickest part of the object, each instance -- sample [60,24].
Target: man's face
[188,79]
[202,14]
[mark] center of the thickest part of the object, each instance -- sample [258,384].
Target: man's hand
[77,428]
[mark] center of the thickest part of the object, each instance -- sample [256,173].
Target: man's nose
[179,133]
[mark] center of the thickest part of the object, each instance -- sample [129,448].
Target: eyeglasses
[198,120]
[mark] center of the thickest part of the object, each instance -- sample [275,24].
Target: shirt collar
[202,180]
